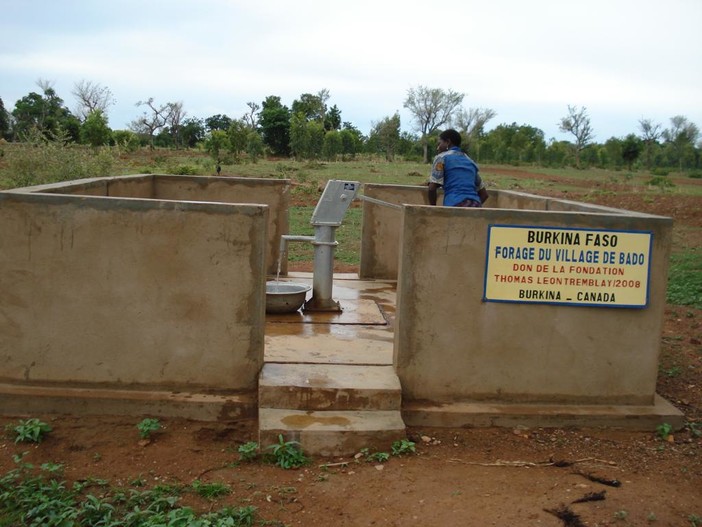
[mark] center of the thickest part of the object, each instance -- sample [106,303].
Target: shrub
[660,171]
[661,181]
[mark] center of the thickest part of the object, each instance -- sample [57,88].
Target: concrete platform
[27,400]
[459,415]
[329,387]
[331,433]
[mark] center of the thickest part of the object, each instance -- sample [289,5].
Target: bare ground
[461,477]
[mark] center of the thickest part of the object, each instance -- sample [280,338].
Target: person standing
[456,173]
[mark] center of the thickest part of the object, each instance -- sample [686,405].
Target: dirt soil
[457,477]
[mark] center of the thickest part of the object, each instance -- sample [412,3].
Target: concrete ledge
[24,400]
[483,415]
[331,433]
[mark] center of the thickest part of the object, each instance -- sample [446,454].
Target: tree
[174,121]
[650,133]
[513,144]
[306,137]
[151,121]
[387,132]
[90,97]
[274,121]
[611,153]
[217,142]
[312,107]
[46,113]
[430,109]
[631,149]
[238,137]
[332,146]
[126,139]
[577,123]
[332,121]
[4,121]
[681,138]
[471,125]
[218,122]
[94,129]
[254,145]
[351,140]
[251,117]
[192,132]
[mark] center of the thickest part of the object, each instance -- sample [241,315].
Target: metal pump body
[327,216]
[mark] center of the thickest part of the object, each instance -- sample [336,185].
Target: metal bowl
[285,297]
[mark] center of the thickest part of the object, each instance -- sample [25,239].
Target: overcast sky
[526,59]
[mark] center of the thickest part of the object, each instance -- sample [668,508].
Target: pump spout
[285,238]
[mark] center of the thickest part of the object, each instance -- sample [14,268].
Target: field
[454,477]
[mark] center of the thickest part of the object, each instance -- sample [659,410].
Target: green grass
[685,278]
[348,235]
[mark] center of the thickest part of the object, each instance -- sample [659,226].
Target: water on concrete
[362,333]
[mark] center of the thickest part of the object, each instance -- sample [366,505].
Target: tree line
[311,128]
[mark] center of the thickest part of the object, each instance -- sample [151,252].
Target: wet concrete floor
[361,334]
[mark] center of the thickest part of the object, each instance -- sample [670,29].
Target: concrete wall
[380,240]
[272,192]
[380,237]
[451,346]
[131,293]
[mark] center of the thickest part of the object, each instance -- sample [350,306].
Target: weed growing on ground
[147,427]
[664,430]
[30,431]
[248,451]
[403,446]
[210,491]
[375,457]
[28,497]
[287,454]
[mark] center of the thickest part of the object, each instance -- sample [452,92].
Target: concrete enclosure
[138,283]
[157,283]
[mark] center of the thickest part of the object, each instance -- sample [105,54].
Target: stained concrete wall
[272,192]
[131,293]
[451,346]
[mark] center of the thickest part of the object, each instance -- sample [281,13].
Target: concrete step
[329,387]
[331,433]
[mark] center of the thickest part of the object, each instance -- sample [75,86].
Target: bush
[660,181]
[184,170]
[39,160]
